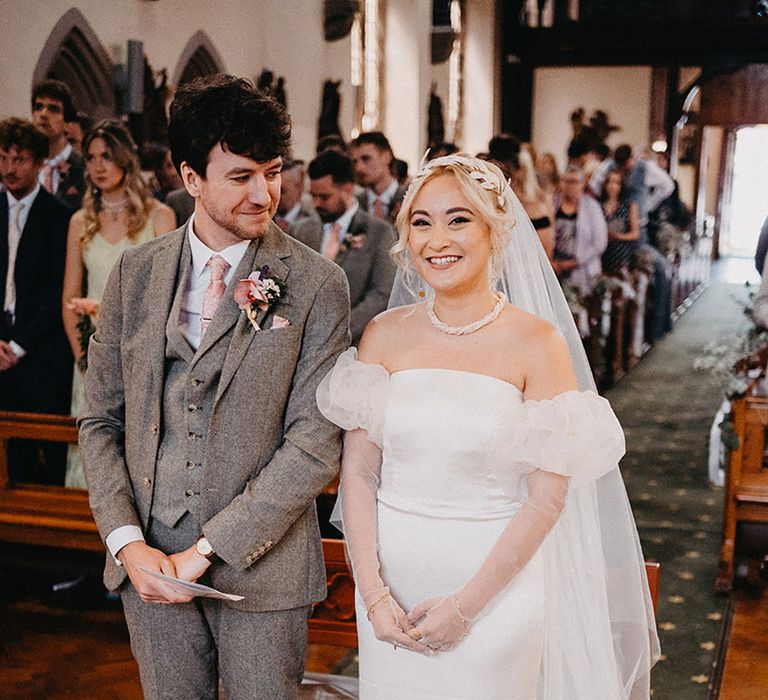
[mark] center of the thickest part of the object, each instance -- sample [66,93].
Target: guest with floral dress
[623,225]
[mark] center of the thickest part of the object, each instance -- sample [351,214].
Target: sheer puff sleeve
[354,395]
[576,434]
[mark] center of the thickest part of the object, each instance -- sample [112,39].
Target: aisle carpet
[666,409]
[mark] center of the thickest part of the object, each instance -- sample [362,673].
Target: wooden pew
[746,484]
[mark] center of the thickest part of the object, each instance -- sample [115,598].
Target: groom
[203,446]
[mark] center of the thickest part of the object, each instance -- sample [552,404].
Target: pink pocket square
[279,322]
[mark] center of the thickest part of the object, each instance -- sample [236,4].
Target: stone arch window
[199,58]
[74,55]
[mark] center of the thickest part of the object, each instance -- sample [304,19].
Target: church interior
[672,333]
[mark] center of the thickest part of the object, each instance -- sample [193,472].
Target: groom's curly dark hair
[223,109]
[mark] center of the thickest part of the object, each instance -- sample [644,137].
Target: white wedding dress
[456,449]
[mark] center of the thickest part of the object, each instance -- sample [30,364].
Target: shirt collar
[386,196]
[61,157]
[293,213]
[201,253]
[26,201]
[344,220]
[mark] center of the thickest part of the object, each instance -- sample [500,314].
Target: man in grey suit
[357,242]
[203,446]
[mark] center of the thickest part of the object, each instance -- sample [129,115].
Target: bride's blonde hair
[481,182]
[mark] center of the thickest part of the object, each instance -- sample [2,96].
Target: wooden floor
[745,673]
[74,643]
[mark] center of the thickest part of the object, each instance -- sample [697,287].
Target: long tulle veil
[601,639]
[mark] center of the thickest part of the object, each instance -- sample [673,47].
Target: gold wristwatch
[204,549]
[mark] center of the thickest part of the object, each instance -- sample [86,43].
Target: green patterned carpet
[666,409]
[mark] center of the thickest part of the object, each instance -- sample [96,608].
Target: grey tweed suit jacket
[269,451]
[368,265]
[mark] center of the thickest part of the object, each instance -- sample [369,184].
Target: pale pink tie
[332,243]
[378,208]
[215,291]
[48,178]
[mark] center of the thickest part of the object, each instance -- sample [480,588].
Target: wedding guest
[62,173]
[623,227]
[118,212]
[291,207]
[344,233]
[372,159]
[35,361]
[535,201]
[158,169]
[548,173]
[76,131]
[581,234]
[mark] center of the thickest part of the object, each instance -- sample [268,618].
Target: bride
[487,525]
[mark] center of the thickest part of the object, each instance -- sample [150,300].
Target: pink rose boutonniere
[87,310]
[259,292]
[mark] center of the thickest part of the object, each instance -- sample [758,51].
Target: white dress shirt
[386,196]
[189,321]
[54,163]
[343,221]
[13,248]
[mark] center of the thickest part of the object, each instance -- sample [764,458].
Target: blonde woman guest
[534,199]
[118,212]
[548,173]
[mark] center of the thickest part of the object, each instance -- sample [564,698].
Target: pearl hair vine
[477,169]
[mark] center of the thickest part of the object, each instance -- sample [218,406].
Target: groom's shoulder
[309,264]
[145,253]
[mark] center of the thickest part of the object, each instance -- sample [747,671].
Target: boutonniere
[87,311]
[353,238]
[261,291]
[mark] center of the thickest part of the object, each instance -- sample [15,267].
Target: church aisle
[666,408]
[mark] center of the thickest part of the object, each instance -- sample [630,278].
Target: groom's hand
[136,556]
[190,565]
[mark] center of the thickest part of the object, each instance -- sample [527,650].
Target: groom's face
[237,198]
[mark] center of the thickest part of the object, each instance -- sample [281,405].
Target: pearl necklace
[470,328]
[114,208]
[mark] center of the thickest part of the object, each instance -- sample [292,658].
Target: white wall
[285,36]
[407,73]
[481,80]
[624,93]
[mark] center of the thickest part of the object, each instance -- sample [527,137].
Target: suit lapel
[161,294]
[173,325]
[270,251]
[3,246]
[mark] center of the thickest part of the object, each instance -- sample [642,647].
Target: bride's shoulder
[523,326]
[384,330]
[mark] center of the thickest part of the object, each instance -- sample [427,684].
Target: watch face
[204,547]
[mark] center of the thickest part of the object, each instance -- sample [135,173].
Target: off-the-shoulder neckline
[504,382]
[455,371]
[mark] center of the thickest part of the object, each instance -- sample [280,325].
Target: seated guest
[581,234]
[290,208]
[372,158]
[623,226]
[358,242]
[35,360]
[62,172]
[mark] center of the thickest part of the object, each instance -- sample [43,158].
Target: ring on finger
[416,634]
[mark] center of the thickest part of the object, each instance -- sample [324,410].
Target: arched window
[199,58]
[74,55]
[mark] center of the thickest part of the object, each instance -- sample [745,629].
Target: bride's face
[448,240]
